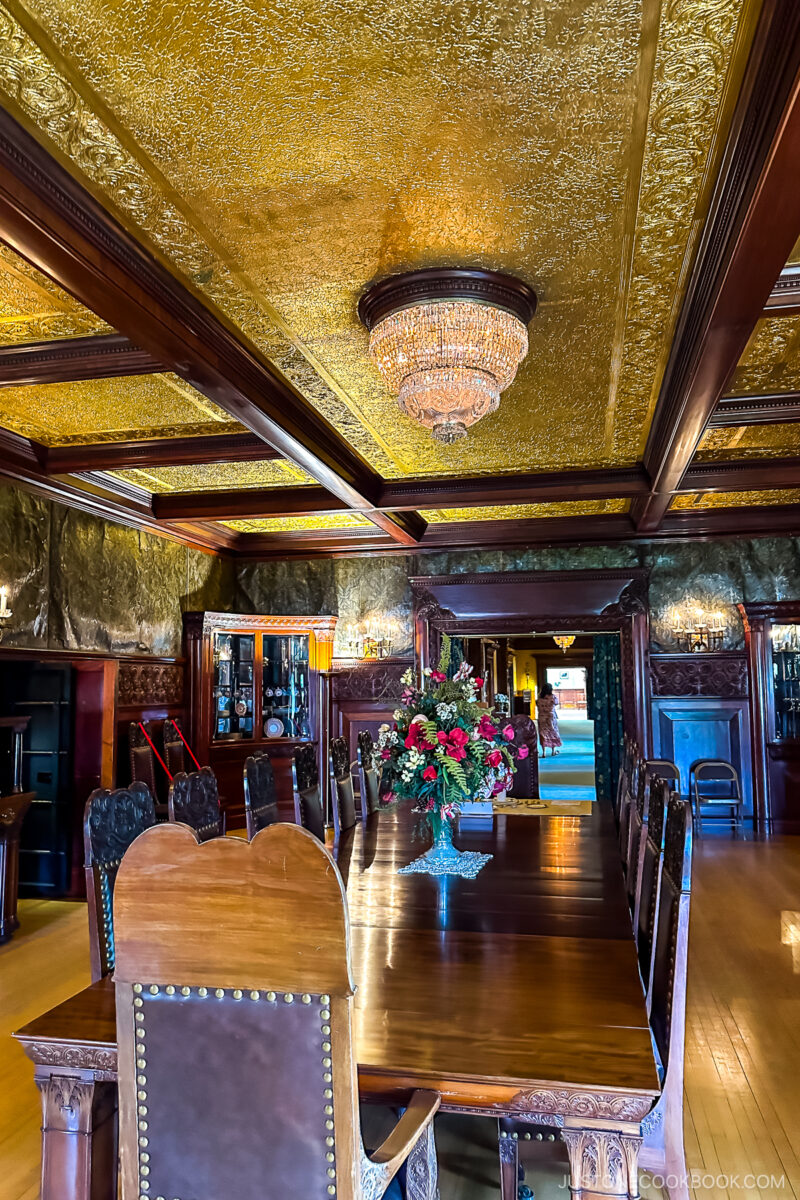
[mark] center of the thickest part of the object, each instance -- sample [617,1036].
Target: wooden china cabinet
[772,633]
[256,683]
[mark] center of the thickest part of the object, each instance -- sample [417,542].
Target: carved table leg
[603,1163]
[79,1138]
[422,1170]
[508,1147]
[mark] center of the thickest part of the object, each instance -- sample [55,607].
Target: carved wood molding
[323,628]
[723,676]
[73,359]
[575,1102]
[370,681]
[142,685]
[77,1056]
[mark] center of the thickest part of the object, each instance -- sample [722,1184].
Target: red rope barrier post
[152,747]
[186,744]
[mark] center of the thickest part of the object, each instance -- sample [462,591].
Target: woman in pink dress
[546,706]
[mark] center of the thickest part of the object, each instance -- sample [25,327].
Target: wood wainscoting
[365,696]
[700,708]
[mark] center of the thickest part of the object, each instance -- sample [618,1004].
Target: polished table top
[484,989]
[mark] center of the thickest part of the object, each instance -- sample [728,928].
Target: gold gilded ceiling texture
[330,521]
[571,508]
[281,156]
[110,410]
[771,360]
[34,309]
[213,477]
[736,499]
[749,441]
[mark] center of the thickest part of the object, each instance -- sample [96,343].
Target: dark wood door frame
[516,602]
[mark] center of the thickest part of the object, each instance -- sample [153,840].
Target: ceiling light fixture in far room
[448,342]
[564,641]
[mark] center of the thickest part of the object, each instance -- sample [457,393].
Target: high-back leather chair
[236,1065]
[307,791]
[194,800]
[632,783]
[663,1150]
[174,749]
[525,781]
[630,753]
[715,784]
[343,800]
[260,797]
[369,779]
[142,761]
[111,821]
[637,838]
[650,882]
[13,810]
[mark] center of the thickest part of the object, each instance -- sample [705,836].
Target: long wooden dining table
[514,994]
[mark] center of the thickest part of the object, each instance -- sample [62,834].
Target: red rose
[438,677]
[385,753]
[478,681]
[429,773]
[459,736]
[494,758]
[508,733]
[486,728]
[522,752]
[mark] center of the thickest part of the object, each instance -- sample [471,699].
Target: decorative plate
[240,708]
[273,727]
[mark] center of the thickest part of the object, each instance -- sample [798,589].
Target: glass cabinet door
[285,683]
[786,680]
[233,686]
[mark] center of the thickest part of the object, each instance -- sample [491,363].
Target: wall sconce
[564,641]
[700,633]
[5,612]
[368,640]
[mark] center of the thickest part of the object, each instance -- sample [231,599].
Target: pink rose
[438,677]
[486,728]
[508,733]
[522,752]
[386,753]
[494,758]
[429,773]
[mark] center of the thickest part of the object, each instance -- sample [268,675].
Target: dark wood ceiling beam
[753,475]
[773,409]
[752,225]
[483,490]
[73,360]
[249,503]
[58,226]
[159,452]
[784,299]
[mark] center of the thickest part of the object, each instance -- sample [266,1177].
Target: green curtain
[606,712]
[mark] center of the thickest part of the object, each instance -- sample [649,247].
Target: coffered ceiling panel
[749,441]
[736,499]
[298,524]
[110,410]
[279,156]
[212,477]
[571,508]
[34,309]
[771,361]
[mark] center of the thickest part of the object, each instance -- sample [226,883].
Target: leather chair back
[307,791]
[668,1005]
[194,801]
[236,1068]
[368,775]
[650,880]
[342,795]
[637,837]
[111,822]
[174,749]
[525,782]
[142,761]
[260,797]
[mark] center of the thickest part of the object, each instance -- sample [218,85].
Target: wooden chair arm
[391,1154]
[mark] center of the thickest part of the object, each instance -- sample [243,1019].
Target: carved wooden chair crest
[525,783]
[650,881]
[307,791]
[663,1149]
[369,779]
[237,1073]
[174,749]
[111,822]
[260,797]
[194,800]
[342,794]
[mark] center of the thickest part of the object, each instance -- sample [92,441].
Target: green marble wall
[716,575]
[80,583]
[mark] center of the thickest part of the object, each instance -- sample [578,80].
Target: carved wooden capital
[602,1162]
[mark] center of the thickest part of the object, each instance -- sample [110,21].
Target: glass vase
[443,858]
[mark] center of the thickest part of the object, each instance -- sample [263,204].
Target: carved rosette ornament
[619,1106]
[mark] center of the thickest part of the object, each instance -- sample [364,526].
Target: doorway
[569,773]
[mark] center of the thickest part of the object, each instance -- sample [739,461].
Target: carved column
[422,1172]
[79,1138]
[602,1163]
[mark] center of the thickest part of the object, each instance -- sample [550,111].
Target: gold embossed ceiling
[109,410]
[34,309]
[282,155]
[570,508]
[771,360]
[331,521]
[749,441]
[212,477]
[735,499]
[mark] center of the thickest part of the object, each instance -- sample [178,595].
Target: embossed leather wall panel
[722,675]
[79,583]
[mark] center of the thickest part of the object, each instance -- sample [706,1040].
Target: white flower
[385,728]
[407,677]
[428,671]
[420,718]
[397,714]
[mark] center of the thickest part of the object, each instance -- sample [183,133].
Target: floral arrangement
[444,748]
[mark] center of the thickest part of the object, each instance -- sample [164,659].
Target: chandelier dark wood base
[448,341]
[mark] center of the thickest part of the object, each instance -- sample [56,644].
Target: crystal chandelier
[564,641]
[448,342]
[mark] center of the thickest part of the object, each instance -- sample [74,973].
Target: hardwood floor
[743,1037]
